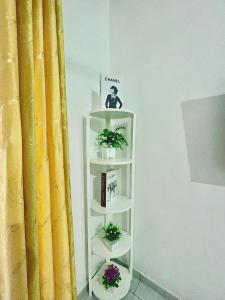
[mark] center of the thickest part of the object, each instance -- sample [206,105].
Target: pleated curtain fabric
[36,230]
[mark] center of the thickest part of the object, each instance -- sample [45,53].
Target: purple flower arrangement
[111,277]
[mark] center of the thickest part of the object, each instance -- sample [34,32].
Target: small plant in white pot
[110,141]
[112,235]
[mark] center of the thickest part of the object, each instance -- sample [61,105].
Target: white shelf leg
[88,187]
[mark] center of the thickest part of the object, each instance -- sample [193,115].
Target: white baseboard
[155,286]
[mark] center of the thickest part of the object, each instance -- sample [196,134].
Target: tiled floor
[138,290]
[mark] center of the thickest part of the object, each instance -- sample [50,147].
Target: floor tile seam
[140,281]
[137,297]
[137,287]
[132,295]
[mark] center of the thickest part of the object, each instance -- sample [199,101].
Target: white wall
[86,33]
[170,52]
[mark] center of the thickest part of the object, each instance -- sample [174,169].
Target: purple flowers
[111,277]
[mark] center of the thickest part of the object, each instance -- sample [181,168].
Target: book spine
[103,190]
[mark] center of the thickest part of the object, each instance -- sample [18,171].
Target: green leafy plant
[111,277]
[112,232]
[112,139]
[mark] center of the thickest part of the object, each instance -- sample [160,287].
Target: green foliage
[112,232]
[112,139]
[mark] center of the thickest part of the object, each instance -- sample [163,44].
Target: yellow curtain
[36,230]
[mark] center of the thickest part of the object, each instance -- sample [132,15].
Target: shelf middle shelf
[100,249]
[120,205]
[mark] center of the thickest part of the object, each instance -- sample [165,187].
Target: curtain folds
[13,278]
[27,110]
[65,138]
[36,230]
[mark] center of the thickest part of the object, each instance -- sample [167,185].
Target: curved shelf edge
[99,248]
[112,113]
[118,293]
[101,161]
[120,205]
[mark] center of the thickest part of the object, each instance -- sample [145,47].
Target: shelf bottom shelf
[118,293]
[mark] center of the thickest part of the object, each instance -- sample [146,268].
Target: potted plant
[110,141]
[111,277]
[111,236]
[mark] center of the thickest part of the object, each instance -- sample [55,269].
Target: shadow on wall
[204,125]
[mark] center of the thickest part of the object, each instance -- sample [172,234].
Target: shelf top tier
[112,114]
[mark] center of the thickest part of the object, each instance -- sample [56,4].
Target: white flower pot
[111,245]
[108,153]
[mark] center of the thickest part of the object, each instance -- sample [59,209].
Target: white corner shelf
[118,293]
[119,211]
[120,205]
[111,162]
[100,249]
